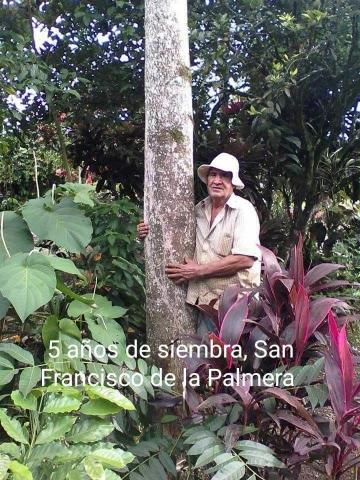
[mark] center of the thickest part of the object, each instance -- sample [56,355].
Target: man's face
[219,184]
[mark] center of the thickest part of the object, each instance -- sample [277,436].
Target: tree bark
[169,190]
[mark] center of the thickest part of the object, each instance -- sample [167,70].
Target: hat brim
[203,172]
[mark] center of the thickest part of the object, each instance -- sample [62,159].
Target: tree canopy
[275,83]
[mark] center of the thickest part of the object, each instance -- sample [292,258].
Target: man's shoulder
[240,203]
[201,205]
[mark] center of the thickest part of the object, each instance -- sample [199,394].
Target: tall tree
[169,197]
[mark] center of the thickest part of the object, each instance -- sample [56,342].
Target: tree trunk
[169,191]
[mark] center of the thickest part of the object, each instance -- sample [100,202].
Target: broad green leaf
[221,460]
[60,452]
[4,306]
[64,265]
[28,281]
[318,394]
[82,192]
[59,403]
[203,444]
[167,462]
[6,375]
[47,451]
[105,330]
[5,362]
[110,394]
[234,470]
[94,469]
[113,458]
[50,330]
[26,403]
[13,428]
[104,307]
[17,236]
[11,449]
[70,328]
[259,458]
[250,445]
[157,468]
[110,475]
[55,428]
[88,430]
[17,352]
[100,407]
[4,464]
[20,471]
[209,455]
[63,223]
[58,388]
[29,378]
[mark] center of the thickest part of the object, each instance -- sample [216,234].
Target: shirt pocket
[225,244]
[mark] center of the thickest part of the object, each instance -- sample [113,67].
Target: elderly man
[227,238]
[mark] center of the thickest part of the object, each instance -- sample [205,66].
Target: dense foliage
[275,83]
[288,111]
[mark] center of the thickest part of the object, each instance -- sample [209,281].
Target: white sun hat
[225,163]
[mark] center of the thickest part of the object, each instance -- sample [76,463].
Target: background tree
[288,111]
[169,197]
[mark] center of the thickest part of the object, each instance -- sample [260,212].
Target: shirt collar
[232,202]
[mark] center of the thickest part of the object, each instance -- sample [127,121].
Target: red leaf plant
[339,447]
[283,312]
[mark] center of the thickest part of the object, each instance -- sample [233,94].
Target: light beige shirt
[235,230]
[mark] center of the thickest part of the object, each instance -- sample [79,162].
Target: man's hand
[142,230]
[182,272]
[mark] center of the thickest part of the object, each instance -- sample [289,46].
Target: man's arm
[225,267]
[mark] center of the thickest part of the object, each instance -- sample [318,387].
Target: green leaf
[63,223]
[59,403]
[4,306]
[82,192]
[157,468]
[70,328]
[112,458]
[100,407]
[26,403]
[94,469]
[64,265]
[90,430]
[17,236]
[13,428]
[55,428]
[234,470]
[20,471]
[47,451]
[167,462]
[17,352]
[113,396]
[104,307]
[110,475]
[105,330]
[29,378]
[318,394]
[209,455]
[6,374]
[296,141]
[4,362]
[250,445]
[203,444]
[28,281]
[50,330]
[4,464]
[10,449]
[259,458]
